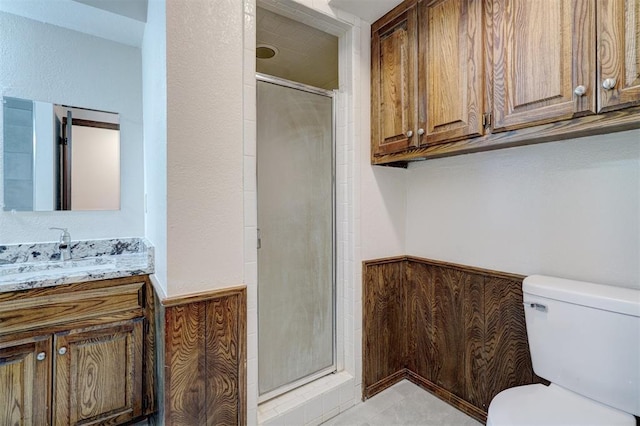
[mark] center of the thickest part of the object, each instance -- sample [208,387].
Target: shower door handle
[259,242]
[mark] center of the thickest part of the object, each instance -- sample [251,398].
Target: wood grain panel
[421,303]
[538,63]
[463,328]
[618,53]
[458,337]
[451,72]
[225,326]
[25,382]
[205,353]
[185,365]
[384,322]
[475,355]
[508,360]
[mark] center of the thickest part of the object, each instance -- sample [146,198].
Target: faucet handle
[65,237]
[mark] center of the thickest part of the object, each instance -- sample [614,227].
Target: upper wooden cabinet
[426,91]
[458,76]
[393,88]
[451,52]
[543,60]
[618,62]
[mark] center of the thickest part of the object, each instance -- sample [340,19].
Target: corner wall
[569,209]
[154,85]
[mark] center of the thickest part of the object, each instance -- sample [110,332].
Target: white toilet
[585,339]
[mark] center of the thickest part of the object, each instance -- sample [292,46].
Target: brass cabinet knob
[609,83]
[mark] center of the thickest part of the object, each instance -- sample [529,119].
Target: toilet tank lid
[599,296]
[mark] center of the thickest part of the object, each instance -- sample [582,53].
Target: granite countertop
[27,266]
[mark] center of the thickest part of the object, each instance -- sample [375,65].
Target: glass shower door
[296,308]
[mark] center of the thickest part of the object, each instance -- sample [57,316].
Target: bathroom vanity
[77,337]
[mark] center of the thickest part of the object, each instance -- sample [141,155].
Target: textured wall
[569,209]
[66,67]
[204,145]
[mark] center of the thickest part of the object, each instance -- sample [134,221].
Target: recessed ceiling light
[265,51]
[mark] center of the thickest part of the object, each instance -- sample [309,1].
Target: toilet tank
[585,337]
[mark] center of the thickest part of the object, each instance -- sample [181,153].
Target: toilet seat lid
[551,405]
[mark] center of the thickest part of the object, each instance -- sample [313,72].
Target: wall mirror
[84,54]
[57,157]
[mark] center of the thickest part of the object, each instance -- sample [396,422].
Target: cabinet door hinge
[486,119]
[145,326]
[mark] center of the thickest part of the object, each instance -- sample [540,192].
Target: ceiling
[134,9]
[116,20]
[305,54]
[368,10]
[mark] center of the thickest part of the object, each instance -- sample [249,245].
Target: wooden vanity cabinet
[25,380]
[98,374]
[91,360]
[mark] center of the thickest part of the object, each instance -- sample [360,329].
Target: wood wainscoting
[456,331]
[205,358]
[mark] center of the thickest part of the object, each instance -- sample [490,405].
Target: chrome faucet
[65,244]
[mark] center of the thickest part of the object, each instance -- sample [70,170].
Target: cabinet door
[450,70]
[25,381]
[618,54]
[98,374]
[393,84]
[543,55]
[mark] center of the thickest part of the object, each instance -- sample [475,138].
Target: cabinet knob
[62,350]
[41,356]
[420,132]
[609,83]
[580,90]
[409,133]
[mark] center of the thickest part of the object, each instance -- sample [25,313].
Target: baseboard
[447,396]
[383,384]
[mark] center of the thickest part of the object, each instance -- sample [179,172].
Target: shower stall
[296,235]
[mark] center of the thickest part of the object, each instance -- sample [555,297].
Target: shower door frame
[265,78]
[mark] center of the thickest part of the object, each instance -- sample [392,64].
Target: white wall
[154,88]
[204,145]
[569,209]
[65,67]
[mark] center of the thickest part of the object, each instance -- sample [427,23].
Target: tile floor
[403,404]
